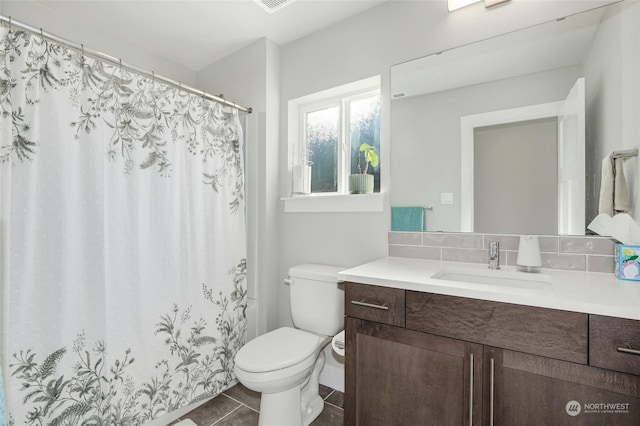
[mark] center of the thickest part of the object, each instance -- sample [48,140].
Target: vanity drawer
[614,344]
[539,331]
[374,303]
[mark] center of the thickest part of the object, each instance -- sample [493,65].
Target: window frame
[342,101]
[332,202]
[302,137]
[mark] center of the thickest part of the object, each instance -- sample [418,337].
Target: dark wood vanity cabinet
[534,390]
[391,379]
[390,374]
[416,358]
[614,344]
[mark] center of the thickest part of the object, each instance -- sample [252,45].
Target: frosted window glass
[322,135]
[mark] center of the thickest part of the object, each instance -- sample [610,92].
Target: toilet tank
[317,299]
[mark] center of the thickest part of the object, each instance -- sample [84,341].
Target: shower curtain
[123,240]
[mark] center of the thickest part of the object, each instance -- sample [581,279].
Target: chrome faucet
[494,255]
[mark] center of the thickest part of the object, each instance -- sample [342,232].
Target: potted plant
[362,182]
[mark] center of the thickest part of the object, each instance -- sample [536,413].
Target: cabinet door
[524,389]
[401,377]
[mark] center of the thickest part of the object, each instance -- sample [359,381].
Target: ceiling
[548,46]
[196,34]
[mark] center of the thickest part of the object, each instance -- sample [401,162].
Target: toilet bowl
[285,364]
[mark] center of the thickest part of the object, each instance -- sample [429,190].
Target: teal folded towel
[407,219]
[3,411]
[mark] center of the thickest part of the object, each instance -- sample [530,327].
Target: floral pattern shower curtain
[123,240]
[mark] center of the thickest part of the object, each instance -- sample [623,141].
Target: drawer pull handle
[471,390]
[370,305]
[492,372]
[629,351]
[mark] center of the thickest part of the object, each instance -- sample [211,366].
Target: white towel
[606,187]
[625,229]
[614,196]
[620,192]
[601,225]
[187,422]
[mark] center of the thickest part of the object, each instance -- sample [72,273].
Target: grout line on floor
[330,393]
[333,405]
[227,415]
[240,402]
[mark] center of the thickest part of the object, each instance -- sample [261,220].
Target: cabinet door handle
[629,351]
[491,389]
[471,390]
[370,305]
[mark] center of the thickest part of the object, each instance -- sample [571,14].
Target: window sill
[333,203]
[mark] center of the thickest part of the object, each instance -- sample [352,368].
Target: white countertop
[586,292]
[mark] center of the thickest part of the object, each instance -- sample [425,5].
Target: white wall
[40,16]
[360,47]
[363,46]
[516,178]
[630,97]
[241,76]
[612,74]
[250,77]
[426,148]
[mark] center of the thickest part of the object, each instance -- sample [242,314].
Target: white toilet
[284,364]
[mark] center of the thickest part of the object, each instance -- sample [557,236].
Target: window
[331,127]
[321,144]
[364,127]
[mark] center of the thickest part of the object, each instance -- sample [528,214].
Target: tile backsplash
[589,253]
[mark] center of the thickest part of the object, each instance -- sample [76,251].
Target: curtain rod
[11,23]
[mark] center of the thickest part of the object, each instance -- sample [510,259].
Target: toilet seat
[277,350]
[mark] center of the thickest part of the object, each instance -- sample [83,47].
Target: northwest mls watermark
[573,408]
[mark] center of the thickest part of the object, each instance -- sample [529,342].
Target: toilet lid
[276,350]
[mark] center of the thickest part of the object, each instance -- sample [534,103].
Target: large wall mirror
[507,135]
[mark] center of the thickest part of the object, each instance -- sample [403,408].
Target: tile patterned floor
[239,406]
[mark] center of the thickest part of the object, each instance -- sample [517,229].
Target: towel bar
[625,154]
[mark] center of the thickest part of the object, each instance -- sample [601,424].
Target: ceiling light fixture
[491,3]
[458,4]
[272,6]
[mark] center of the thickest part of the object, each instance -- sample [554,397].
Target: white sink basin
[493,277]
